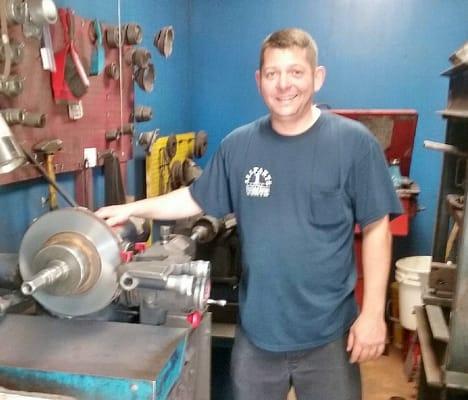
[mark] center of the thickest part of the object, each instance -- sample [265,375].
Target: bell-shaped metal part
[42,12]
[164,40]
[11,155]
[142,113]
[11,86]
[145,77]
[16,12]
[133,34]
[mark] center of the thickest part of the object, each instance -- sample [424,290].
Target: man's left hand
[366,340]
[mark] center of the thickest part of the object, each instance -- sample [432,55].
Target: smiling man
[298,180]
[287,79]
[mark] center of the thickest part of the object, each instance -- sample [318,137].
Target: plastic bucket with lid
[410,273]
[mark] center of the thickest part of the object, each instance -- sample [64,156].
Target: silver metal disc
[84,222]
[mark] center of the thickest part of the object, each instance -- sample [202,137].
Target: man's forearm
[376,259]
[171,206]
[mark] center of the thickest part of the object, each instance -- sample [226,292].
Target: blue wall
[170,99]
[379,54]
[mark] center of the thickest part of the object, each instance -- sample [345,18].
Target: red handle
[195,319]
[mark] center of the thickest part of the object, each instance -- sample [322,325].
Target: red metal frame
[404,129]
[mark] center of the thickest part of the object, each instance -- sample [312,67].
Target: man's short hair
[288,38]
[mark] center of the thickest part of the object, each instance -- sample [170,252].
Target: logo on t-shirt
[258,182]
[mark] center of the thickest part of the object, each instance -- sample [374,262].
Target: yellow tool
[163,153]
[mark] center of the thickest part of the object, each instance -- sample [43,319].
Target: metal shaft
[220,303]
[46,277]
[199,232]
[445,148]
[182,284]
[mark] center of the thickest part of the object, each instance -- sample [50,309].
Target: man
[298,181]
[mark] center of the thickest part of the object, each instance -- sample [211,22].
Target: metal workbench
[442,322]
[102,360]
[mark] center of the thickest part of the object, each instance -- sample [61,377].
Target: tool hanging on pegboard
[69,81]
[141,113]
[98,56]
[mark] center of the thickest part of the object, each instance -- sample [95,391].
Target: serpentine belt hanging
[5,40]
[113,185]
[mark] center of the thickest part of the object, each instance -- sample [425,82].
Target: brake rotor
[145,77]
[98,242]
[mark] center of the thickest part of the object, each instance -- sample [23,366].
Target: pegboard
[102,105]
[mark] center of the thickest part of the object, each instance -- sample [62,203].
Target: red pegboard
[103,109]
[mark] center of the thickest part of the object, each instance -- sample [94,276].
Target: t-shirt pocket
[327,207]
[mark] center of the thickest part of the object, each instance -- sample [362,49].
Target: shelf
[431,367]
[437,322]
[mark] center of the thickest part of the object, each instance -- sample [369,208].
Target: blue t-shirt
[296,201]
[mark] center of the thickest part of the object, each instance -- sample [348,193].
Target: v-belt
[60,88]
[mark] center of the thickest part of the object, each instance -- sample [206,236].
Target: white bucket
[410,272]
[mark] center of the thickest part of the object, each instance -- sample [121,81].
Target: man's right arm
[171,206]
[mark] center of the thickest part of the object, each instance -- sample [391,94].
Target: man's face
[287,83]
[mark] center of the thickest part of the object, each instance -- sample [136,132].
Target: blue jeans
[322,373]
